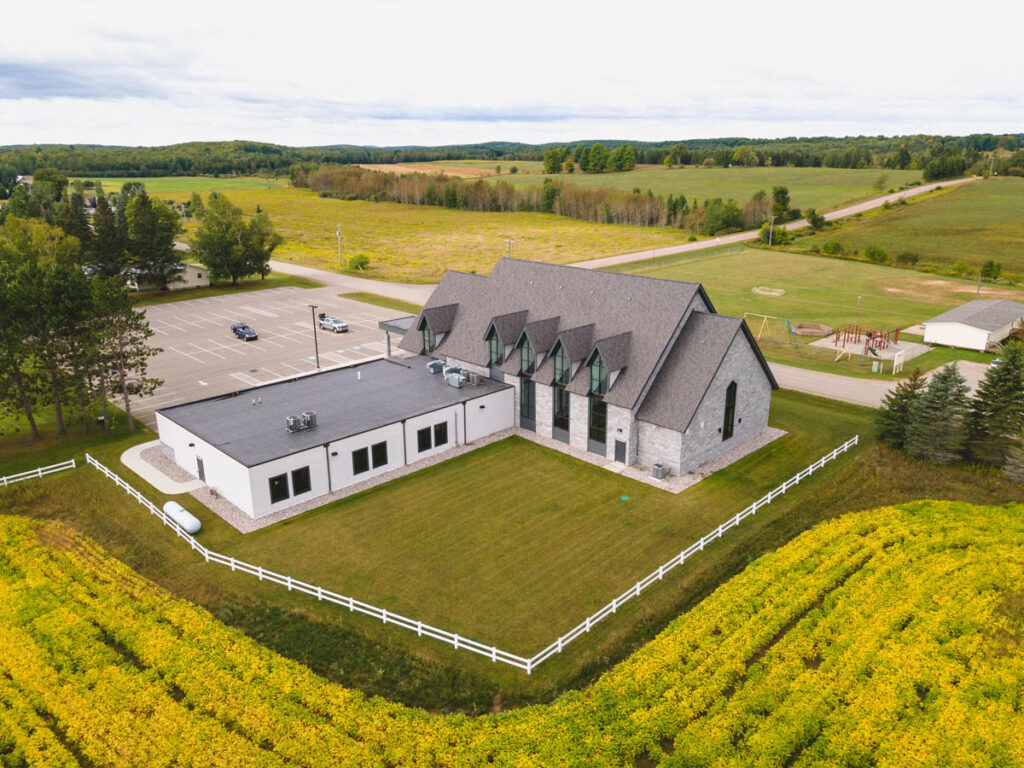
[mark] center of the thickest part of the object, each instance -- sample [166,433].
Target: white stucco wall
[229,477]
[490,413]
[259,480]
[956,335]
[341,465]
[456,432]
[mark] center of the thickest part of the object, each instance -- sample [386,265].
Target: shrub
[833,248]
[961,268]
[359,262]
[514,169]
[907,258]
[876,254]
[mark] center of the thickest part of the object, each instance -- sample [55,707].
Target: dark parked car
[244,332]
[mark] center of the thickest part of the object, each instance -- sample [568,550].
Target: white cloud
[398,72]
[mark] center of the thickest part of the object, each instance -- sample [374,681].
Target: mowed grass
[819,289]
[972,222]
[414,243]
[223,287]
[180,188]
[383,301]
[821,188]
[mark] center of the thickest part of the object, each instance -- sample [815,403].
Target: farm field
[361,652]
[818,289]
[448,168]
[810,656]
[973,223]
[180,188]
[821,188]
[483,166]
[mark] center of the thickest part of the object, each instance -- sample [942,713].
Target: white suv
[335,324]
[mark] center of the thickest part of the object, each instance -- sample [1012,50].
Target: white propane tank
[188,522]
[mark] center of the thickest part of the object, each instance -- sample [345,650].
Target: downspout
[327,451]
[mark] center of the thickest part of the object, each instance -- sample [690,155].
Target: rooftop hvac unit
[450,369]
[308,419]
[435,366]
[455,380]
[472,378]
[294,423]
[659,471]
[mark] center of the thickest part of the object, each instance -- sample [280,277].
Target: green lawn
[820,188]
[222,287]
[819,289]
[973,222]
[383,301]
[444,560]
[182,187]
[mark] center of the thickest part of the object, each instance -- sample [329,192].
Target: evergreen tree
[997,411]
[109,256]
[152,226]
[72,218]
[548,194]
[1014,466]
[780,203]
[937,430]
[597,159]
[893,416]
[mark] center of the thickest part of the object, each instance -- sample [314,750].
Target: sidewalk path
[132,458]
[742,237]
[416,294]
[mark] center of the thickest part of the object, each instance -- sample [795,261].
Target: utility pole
[771,233]
[316,345]
[991,162]
[858,314]
[977,292]
[338,233]
[510,243]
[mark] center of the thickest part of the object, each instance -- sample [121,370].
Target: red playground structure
[873,340]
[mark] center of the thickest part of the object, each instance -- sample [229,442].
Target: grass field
[524,166]
[893,637]
[180,188]
[973,223]
[821,188]
[363,653]
[819,289]
[383,301]
[222,287]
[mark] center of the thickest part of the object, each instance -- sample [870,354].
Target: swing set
[767,329]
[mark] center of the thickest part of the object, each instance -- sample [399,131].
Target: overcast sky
[388,72]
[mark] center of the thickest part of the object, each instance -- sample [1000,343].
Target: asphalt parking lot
[201,357]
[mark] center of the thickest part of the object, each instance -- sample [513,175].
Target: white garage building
[975,325]
[267,448]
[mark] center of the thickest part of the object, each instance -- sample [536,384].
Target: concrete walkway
[132,458]
[743,237]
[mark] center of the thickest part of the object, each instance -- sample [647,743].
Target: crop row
[879,638]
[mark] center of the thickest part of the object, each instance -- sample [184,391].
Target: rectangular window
[380,454]
[428,340]
[360,461]
[560,416]
[301,482]
[495,348]
[278,488]
[598,420]
[526,357]
[730,411]
[441,433]
[562,366]
[527,400]
[598,376]
[423,440]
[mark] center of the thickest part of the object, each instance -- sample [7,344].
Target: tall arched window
[730,411]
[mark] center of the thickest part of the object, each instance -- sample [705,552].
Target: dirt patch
[766,291]
[919,288]
[455,171]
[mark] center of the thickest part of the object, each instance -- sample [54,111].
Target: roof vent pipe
[359,375]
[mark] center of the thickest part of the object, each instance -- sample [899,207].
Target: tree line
[68,339]
[595,204]
[255,158]
[939,422]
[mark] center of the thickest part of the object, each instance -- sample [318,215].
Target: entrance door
[201,469]
[620,451]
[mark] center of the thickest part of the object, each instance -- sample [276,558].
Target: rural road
[753,234]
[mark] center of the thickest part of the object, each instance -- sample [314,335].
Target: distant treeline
[254,158]
[596,204]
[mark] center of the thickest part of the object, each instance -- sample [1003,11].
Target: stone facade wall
[621,418]
[545,402]
[579,415]
[703,441]
[658,444]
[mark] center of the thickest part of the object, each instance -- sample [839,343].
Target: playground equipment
[873,340]
[766,328]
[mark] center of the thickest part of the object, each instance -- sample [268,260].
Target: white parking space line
[186,354]
[225,347]
[256,311]
[208,351]
[172,325]
[289,365]
[245,378]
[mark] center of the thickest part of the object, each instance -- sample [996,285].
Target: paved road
[417,294]
[742,237]
[868,392]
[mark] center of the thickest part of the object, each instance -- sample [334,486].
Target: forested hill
[249,157]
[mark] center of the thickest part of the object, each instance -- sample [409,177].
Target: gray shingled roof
[987,314]
[614,303]
[542,334]
[577,342]
[347,401]
[440,319]
[509,326]
[614,350]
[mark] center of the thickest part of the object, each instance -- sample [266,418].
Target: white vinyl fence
[32,474]
[457,641]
